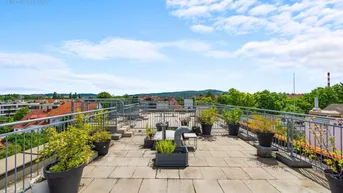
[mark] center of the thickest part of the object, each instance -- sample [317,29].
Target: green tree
[54,95]
[21,113]
[70,95]
[104,95]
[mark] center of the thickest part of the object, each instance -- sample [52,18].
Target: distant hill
[83,95]
[187,93]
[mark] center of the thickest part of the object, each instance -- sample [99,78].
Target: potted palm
[71,150]
[168,155]
[207,118]
[232,118]
[264,128]
[101,141]
[149,141]
[185,121]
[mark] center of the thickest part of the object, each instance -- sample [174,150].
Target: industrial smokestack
[328,79]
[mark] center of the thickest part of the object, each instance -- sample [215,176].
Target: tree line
[279,101]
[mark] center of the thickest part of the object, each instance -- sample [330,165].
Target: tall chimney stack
[328,79]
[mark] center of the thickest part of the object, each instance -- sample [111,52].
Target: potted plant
[101,141]
[185,121]
[264,128]
[71,150]
[232,119]
[324,149]
[168,155]
[148,141]
[207,118]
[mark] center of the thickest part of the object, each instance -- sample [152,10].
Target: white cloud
[40,73]
[240,24]
[32,60]
[219,54]
[113,48]
[202,28]
[201,11]
[262,9]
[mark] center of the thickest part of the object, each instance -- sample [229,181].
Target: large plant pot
[233,129]
[65,181]
[148,143]
[102,147]
[177,159]
[39,185]
[336,185]
[265,139]
[206,129]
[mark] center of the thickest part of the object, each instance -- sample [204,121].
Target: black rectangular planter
[177,159]
[148,143]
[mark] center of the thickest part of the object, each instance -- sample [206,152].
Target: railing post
[290,127]
[164,128]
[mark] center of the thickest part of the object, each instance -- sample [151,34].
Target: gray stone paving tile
[139,162]
[202,153]
[206,186]
[135,154]
[236,154]
[154,186]
[197,161]
[234,186]
[219,154]
[235,173]
[100,172]
[258,173]
[84,183]
[280,173]
[215,162]
[168,173]
[311,186]
[236,162]
[212,173]
[190,173]
[100,186]
[144,172]
[287,186]
[122,172]
[180,186]
[260,186]
[127,186]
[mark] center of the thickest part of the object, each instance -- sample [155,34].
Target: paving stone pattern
[221,165]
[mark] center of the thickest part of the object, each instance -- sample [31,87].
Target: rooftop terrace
[221,163]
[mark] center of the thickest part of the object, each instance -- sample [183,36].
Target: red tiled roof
[62,109]
[33,115]
[66,108]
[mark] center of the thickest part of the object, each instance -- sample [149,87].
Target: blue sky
[133,46]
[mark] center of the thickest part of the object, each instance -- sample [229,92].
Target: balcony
[220,163]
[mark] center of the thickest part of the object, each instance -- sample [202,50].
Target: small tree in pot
[232,118]
[264,128]
[207,118]
[149,141]
[323,149]
[101,141]
[71,149]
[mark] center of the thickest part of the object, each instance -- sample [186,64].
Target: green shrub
[11,150]
[150,132]
[232,116]
[165,146]
[71,148]
[102,136]
[209,116]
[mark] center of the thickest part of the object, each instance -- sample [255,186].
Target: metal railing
[20,148]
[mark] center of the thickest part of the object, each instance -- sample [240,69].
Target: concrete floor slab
[287,186]
[260,186]
[122,172]
[144,172]
[154,186]
[235,173]
[180,186]
[191,173]
[215,162]
[311,186]
[197,161]
[100,172]
[234,186]
[139,162]
[168,173]
[235,162]
[212,173]
[206,186]
[100,186]
[258,173]
[127,186]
